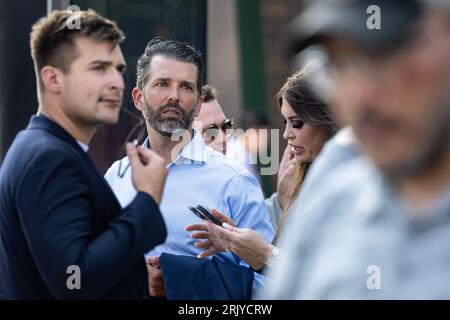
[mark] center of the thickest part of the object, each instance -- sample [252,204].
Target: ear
[52,78]
[199,105]
[137,98]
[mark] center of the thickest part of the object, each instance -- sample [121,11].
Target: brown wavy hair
[311,110]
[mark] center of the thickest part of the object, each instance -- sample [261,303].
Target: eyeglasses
[212,130]
[227,124]
[137,133]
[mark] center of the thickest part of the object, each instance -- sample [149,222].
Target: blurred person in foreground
[373,219]
[309,124]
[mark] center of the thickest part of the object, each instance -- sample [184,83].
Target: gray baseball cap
[351,19]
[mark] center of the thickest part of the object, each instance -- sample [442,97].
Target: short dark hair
[178,50]
[52,38]
[209,93]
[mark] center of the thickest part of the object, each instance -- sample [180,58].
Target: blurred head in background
[256,128]
[212,122]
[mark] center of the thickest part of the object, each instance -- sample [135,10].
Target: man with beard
[380,229]
[168,93]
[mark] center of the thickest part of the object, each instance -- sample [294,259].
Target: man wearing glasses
[211,121]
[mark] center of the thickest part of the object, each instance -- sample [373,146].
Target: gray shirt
[352,237]
[273,206]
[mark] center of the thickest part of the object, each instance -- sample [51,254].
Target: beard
[431,151]
[166,126]
[437,144]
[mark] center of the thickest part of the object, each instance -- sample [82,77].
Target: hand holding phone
[204,214]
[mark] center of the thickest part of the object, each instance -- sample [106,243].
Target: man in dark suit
[63,234]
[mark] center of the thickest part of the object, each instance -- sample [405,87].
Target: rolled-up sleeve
[246,202]
[273,206]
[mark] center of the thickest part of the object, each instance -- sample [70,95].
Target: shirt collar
[195,151]
[83,146]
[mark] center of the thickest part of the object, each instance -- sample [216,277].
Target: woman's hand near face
[285,177]
[244,242]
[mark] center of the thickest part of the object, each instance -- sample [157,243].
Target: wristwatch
[272,257]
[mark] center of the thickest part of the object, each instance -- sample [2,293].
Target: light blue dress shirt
[200,176]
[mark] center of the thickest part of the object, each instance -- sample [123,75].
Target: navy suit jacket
[56,210]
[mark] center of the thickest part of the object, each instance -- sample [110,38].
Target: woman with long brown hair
[309,124]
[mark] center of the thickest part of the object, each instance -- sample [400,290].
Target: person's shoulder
[343,189]
[37,138]
[36,156]
[232,174]
[337,152]
[341,147]
[338,178]
[226,163]
[32,146]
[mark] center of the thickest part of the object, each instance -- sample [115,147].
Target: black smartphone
[204,214]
